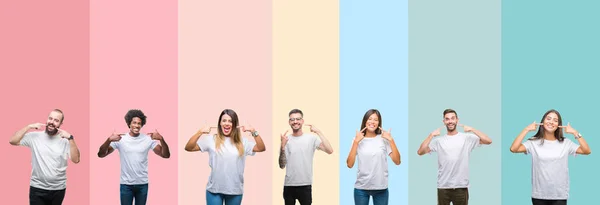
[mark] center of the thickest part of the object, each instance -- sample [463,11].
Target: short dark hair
[446,111]
[296,111]
[61,113]
[135,113]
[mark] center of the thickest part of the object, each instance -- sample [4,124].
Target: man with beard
[50,151]
[133,152]
[454,150]
[297,152]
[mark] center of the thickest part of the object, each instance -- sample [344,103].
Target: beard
[450,130]
[51,132]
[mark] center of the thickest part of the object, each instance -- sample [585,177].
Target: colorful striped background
[500,64]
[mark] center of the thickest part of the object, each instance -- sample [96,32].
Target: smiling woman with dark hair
[372,144]
[549,151]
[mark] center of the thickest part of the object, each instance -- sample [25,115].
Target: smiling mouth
[226,129]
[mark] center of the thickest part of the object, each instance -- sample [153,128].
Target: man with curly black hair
[134,147]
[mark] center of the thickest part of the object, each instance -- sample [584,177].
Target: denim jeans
[137,192]
[380,197]
[218,199]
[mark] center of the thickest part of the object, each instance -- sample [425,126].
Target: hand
[313,128]
[284,139]
[36,126]
[386,134]
[466,128]
[206,129]
[246,128]
[569,129]
[115,137]
[155,135]
[436,132]
[64,134]
[359,135]
[533,126]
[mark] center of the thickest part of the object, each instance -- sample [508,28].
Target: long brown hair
[366,117]
[558,134]
[235,135]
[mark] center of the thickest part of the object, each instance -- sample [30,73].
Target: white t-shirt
[227,166]
[453,159]
[299,152]
[550,168]
[133,152]
[372,163]
[49,157]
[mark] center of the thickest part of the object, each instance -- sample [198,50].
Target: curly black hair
[135,113]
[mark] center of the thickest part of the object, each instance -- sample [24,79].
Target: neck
[453,132]
[297,133]
[549,136]
[133,135]
[371,134]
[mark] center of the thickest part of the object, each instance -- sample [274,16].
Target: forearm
[74,151]
[103,151]
[16,138]
[260,144]
[282,158]
[352,155]
[584,146]
[395,155]
[326,143]
[482,136]
[518,141]
[193,142]
[425,145]
[165,152]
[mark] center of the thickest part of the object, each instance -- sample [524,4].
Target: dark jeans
[139,192]
[39,196]
[548,202]
[380,197]
[458,196]
[302,193]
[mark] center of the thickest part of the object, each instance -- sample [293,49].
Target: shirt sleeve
[388,147]
[27,139]
[205,142]
[434,145]
[318,143]
[153,144]
[249,147]
[474,140]
[528,146]
[572,147]
[114,145]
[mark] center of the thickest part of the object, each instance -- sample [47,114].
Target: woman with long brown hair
[227,155]
[549,151]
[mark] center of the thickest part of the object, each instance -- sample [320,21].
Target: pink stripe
[133,49]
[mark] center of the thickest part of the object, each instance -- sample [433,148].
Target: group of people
[227,149]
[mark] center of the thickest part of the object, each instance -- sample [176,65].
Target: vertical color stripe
[549,61]
[454,63]
[305,76]
[225,62]
[374,74]
[44,62]
[133,59]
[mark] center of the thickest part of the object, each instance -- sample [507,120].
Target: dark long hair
[366,117]
[558,134]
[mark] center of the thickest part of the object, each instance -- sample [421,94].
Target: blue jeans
[380,197]
[218,199]
[139,192]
